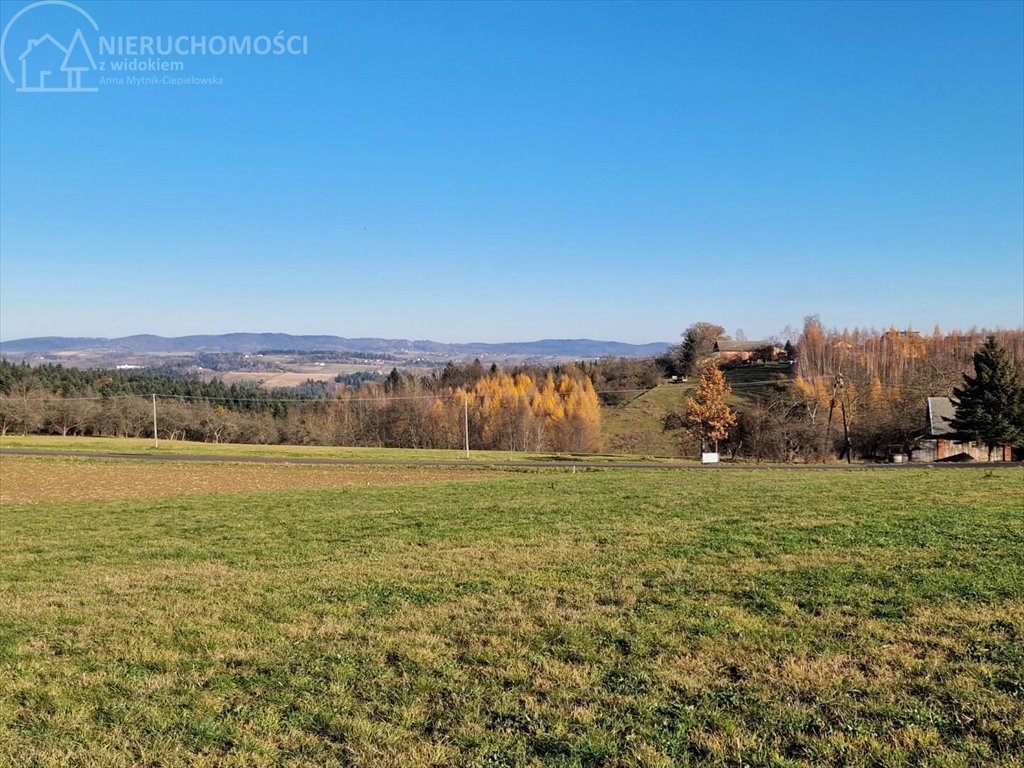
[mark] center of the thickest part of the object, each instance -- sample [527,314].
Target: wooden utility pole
[465,418]
[838,389]
[156,439]
[847,444]
[831,410]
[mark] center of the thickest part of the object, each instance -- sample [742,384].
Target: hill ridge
[247,342]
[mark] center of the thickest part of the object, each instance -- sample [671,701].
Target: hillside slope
[638,426]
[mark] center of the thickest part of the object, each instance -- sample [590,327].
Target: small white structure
[709,458]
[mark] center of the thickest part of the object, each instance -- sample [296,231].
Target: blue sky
[495,172]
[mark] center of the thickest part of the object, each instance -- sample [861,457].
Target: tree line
[529,409]
[862,392]
[53,380]
[844,393]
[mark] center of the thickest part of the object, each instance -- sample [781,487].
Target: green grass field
[604,618]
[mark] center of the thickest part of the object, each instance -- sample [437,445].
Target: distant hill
[256,342]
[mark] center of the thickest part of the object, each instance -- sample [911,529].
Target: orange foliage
[708,415]
[514,413]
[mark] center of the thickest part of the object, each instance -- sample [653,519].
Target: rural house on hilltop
[729,351]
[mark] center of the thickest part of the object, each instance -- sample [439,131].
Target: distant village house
[728,351]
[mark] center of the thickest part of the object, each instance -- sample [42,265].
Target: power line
[331,400]
[316,400]
[376,398]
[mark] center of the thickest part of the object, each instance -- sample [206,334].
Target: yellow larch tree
[708,415]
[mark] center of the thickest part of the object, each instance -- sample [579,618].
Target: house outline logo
[37,76]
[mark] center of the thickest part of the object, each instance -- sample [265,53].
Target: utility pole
[465,416]
[838,389]
[837,382]
[156,439]
[848,446]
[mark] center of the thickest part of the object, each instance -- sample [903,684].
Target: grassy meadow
[513,618]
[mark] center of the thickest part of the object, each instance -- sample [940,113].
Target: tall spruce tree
[990,405]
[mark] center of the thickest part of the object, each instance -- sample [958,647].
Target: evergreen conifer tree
[990,404]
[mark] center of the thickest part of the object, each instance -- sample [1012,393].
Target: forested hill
[94,382]
[257,342]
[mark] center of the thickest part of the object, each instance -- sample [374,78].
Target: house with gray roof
[940,442]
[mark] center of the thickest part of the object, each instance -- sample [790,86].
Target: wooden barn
[942,443]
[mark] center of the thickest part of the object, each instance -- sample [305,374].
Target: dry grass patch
[31,480]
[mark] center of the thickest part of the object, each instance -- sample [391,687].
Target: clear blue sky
[495,172]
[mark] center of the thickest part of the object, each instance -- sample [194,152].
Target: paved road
[554,464]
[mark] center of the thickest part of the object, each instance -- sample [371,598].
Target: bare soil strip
[25,480]
[437,463]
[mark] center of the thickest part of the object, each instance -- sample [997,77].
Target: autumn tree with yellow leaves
[708,416]
[513,412]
